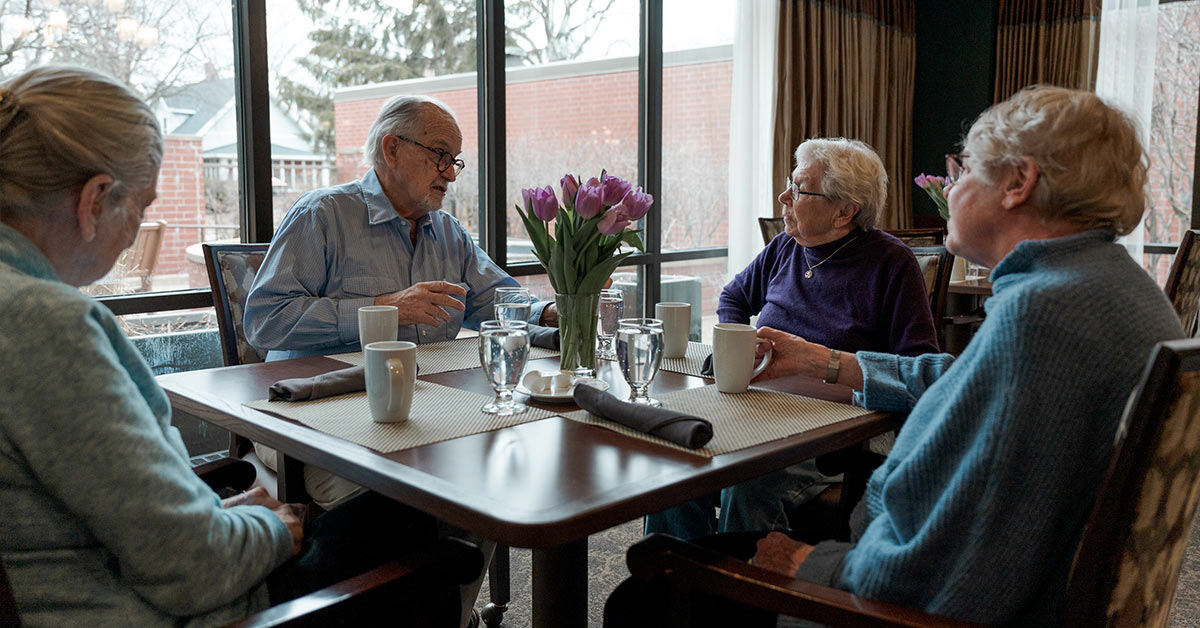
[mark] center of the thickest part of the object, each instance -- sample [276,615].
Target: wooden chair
[770,227]
[141,259]
[920,237]
[231,270]
[1126,564]
[368,599]
[1183,282]
[936,265]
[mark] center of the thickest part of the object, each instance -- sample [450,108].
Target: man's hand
[549,316]
[422,303]
[792,356]
[292,515]
[778,552]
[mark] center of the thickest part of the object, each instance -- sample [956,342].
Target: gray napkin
[337,382]
[544,337]
[679,428]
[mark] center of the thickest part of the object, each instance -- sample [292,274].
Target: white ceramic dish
[561,397]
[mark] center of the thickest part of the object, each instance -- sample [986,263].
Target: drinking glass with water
[639,351]
[610,310]
[513,304]
[503,351]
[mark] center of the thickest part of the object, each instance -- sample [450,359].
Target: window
[1172,148]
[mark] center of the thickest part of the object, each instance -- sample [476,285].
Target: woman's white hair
[62,125]
[1092,168]
[402,115]
[853,173]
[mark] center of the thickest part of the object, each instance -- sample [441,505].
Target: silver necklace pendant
[808,274]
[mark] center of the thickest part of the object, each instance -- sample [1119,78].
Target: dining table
[545,484]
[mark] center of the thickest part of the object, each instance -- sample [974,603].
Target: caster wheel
[493,614]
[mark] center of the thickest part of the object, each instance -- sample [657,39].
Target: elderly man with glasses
[380,240]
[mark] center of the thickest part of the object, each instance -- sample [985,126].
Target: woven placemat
[739,421]
[438,413]
[452,355]
[691,363]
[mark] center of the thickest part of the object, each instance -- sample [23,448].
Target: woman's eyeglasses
[796,192]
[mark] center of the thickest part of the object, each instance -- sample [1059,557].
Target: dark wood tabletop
[538,484]
[545,485]
[981,287]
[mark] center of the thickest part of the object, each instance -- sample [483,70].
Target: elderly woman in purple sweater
[831,278]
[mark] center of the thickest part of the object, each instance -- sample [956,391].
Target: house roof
[203,100]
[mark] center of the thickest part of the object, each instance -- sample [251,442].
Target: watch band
[835,364]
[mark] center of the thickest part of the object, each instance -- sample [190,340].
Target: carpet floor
[606,564]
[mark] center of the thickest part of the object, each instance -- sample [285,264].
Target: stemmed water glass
[503,351]
[639,351]
[512,304]
[608,312]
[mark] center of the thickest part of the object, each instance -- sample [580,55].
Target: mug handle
[766,357]
[395,394]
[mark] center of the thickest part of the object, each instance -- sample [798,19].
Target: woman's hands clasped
[292,515]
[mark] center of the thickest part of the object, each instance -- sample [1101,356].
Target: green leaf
[595,278]
[632,239]
[555,270]
[538,235]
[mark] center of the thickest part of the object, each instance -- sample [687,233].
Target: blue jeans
[756,505]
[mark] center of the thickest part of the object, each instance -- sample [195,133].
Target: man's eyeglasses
[955,167]
[796,192]
[444,160]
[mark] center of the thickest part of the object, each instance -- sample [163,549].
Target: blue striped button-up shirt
[339,248]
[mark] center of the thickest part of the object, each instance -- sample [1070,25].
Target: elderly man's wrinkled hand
[425,303]
[792,356]
[779,553]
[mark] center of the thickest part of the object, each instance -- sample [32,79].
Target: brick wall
[180,200]
[581,124]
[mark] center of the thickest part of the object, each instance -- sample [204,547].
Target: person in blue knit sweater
[977,511]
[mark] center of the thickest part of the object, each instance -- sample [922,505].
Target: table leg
[560,586]
[290,478]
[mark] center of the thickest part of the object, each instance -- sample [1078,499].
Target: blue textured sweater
[977,511]
[102,522]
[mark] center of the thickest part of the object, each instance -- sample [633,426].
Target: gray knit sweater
[102,522]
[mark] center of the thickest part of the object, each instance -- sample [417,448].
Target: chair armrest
[370,597]
[693,567]
[227,473]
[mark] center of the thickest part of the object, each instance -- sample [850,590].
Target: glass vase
[577,332]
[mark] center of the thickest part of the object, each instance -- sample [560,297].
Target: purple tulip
[922,180]
[637,203]
[590,199]
[614,221]
[615,189]
[570,187]
[545,204]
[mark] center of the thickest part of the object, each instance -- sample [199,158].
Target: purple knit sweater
[870,296]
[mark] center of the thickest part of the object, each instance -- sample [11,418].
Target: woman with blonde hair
[102,521]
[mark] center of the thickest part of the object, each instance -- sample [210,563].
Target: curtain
[1045,41]
[751,188]
[847,68]
[1125,75]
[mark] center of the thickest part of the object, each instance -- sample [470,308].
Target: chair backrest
[231,270]
[1183,283]
[920,237]
[936,266]
[8,604]
[141,259]
[770,227]
[1128,562]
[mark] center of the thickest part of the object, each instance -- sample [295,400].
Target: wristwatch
[835,365]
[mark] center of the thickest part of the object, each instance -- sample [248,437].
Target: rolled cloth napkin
[682,429]
[337,382]
[544,337]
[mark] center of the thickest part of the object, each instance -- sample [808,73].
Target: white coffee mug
[677,323]
[377,323]
[391,375]
[733,356]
